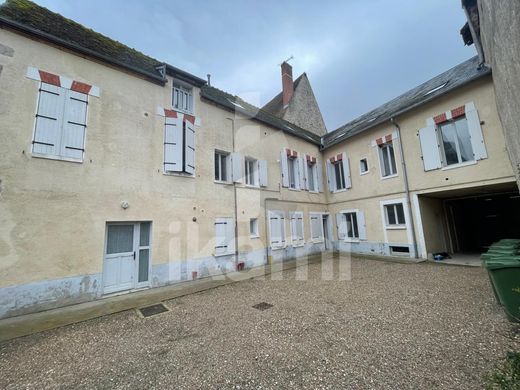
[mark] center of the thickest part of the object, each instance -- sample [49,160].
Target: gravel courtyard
[392,326]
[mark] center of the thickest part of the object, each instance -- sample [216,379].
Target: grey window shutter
[430,148]
[237,163]
[319,176]
[346,170]
[475,131]
[189,148]
[173,144]
[362,229]
[262,169]
[341,224]
[284,164]
[49,117]
[221,242]
[230,235]
[331,176]
[74,124]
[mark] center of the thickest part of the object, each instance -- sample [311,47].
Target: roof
[235,104]
[275,106]
[32,19]
[456,77]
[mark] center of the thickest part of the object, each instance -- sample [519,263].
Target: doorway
[127,256]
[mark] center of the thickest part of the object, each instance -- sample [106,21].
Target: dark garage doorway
[475,222]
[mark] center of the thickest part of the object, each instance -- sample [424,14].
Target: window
[311,183]
[224,236]
[251,171]
[351,225]
[179,145]
[456,142]
[61,120]
[277,229]
[253,227]
[297,229]
[222,163]
[292,166]
[316,227]
[394,214]
[387,160]
[400,250]
[363,166]
[182,98]
[339,175]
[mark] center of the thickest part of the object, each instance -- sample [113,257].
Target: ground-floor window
[224,236]
[316,227]
[277,229]
[394,214]
[297,228]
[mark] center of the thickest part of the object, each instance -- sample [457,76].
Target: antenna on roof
[287,60]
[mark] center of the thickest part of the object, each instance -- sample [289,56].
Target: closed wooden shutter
[319,176]
[189,147]
[49,116]
[74,125]
[475,132]
[276,229]
[431,155]
[284,165]
[341,224]
[362,229]
[346,170]
[302,173]
[173,144]
[237,164]
[331,176]
[224,236]
[262,170]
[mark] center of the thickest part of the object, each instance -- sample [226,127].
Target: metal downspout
[406,188]
[234,193]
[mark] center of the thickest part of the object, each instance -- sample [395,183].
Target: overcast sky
[358,54]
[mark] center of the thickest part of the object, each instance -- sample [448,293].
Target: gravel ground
[393,326]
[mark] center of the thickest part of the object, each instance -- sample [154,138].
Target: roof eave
[71,46]
[404,110]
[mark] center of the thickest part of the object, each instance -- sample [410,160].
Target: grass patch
[506,375]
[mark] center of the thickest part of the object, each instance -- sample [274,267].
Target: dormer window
[182,97]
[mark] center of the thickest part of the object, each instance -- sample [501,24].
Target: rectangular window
[251,172]
[352,225]
[297,229]
[394,214]
[222,165]
[316,227]
[253,227]
[456,142]
[292,166]
[339,175]
[387,159]
[312,177]
[182,98]
[363,166]
[277,229]
[224,236]
[61,121]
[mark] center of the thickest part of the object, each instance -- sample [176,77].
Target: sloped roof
[32,19]
[275,106]
[446,82]
[235,104]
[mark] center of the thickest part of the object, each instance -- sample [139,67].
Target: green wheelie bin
[504,273]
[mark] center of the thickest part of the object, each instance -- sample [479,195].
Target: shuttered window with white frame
[179,144]
[61,121]
[296,219]
[276,229]
[316,227]
[224,236]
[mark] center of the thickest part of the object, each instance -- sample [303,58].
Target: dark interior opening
[477,222]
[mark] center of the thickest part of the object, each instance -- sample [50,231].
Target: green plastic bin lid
[503,263]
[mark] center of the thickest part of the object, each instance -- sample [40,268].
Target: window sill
[395,227]
[57,158]
[389,176]
[222,182]
[321,240]
[351,240]
[183,111]
[277,248]
[460,165]
[179,174]
[253,237]
[223,254]
[363,173]
[252,186]
[299,245]
[293,189]
[338,191]
[313,192]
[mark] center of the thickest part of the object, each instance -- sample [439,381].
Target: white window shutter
[331,177]
[49,118]
[282,228]
[346,170]
[431,155]
[319,176]
[292,223]
[262,170]
[221,242]
[299,228]
[302,167]
[274,231]
[189,163]
[297,174]
[475,131]
[341,224]
[230,235]
[74,125]
[173,141]
[237,163]
[284,164]
[362,228]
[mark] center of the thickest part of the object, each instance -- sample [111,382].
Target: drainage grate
[149,311]
[262,306]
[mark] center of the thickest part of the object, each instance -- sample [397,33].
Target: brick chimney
[287,83]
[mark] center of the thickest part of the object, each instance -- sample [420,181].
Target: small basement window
[363,166]
[400,250]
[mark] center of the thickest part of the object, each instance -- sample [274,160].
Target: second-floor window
[312,177]
[222,165]
[456,142]
[182,98]
[339,175]
[251,171]
[387,159]
[179,145]
[292,167]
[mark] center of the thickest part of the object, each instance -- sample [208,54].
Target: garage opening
[475,222]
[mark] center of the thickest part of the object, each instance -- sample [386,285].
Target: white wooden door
[120,254]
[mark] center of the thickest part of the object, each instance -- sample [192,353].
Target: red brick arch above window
[62,81]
